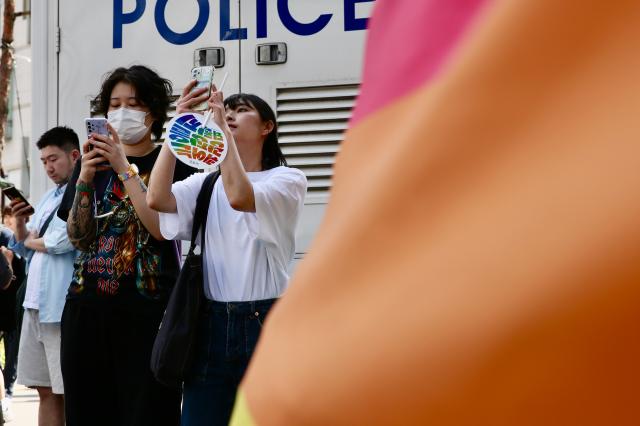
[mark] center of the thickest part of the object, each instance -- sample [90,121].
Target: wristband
[84,187]
[129,173]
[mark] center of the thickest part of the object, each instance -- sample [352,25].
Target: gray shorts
[39,353]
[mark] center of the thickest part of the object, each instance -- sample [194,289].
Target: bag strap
[47,222]
[202,209]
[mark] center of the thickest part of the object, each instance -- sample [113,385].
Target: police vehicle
[302,56]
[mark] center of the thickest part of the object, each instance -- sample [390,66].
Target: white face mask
[129,124]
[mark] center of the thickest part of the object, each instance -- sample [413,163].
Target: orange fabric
[479,261]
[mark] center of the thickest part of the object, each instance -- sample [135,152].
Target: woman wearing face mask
[125,271]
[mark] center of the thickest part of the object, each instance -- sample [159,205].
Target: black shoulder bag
[174,348]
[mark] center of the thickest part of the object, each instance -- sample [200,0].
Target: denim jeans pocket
[253,327]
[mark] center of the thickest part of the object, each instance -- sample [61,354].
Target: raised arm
[237,185]
[159,195]
[81,223]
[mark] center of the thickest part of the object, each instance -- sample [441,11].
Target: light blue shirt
[56,265]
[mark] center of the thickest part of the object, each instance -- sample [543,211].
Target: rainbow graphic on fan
[202,147]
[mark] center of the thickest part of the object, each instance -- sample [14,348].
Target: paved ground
[24,407]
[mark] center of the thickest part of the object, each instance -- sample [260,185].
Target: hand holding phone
[16,196]
[98,126]
[204,78]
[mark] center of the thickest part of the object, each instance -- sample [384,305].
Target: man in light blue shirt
[44,241]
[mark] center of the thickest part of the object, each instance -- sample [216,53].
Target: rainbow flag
[479,262]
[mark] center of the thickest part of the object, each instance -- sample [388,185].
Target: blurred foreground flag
[479,262]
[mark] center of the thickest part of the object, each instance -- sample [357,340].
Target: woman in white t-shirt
[250,241]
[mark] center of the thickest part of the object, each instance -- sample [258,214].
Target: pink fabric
[394,67]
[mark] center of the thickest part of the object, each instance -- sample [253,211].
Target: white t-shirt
[246,254]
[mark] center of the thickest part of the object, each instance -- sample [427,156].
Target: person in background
[8,221]
[125,273]
[250,242]
[11,278]
[44,242]
[6,278]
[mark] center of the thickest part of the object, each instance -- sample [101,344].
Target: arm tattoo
[143,187]
[81,225]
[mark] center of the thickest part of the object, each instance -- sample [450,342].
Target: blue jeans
[227,335]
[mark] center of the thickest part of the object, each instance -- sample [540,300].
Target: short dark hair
[152,91]
[272,155]
[6,211]
[62,137]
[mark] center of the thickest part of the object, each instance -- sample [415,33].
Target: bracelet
[131,171]
[84,187]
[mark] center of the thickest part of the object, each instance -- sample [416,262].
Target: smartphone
[14,193]
[4,184]
[96,125]
[204,78]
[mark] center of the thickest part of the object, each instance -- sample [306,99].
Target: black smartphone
[14,193]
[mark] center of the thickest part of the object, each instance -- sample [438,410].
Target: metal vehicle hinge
[58,40]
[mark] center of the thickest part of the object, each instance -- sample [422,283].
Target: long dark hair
[272,156]
[152,91]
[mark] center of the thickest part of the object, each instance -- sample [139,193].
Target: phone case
[96,125]
[13,193]
[204,78]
